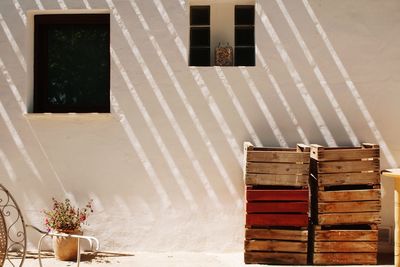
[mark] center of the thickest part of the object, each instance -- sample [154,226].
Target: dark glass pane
[200,36]
[244,36]
[244,15]
[200,15]
[78,65]
[199,57]
[245,56]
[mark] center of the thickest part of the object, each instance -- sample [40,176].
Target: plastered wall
[164,168]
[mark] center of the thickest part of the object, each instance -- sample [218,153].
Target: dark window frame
[245,26]
[40,68]
[200,54]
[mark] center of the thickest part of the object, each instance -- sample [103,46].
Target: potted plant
[65,218]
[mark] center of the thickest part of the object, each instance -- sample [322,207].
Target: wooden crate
[357,244]
[276,246]
[276,207]
[345,185]
[276,166]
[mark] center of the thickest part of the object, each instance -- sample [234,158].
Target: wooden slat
[298,220]
[349,218]
[351,246]
[276,179]
[277,168]
[337,154]
[348,166]
[358,206]
[349,195]
[275,258]
[278,156]
[277,195]
[275,246]
[370,178]
[277,234]
[346,235]
[276,207]
[345,258]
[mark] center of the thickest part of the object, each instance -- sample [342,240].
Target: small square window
[72,63]
[214,41]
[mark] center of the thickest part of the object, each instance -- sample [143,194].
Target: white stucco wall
[164,168]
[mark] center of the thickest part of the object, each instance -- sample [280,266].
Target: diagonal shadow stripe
[21,12]
[168,112]
[155,180]
[188,106]
[264,108]
[324,84]
[351,86]
[234,145]
[238,106]
[319,120]
[153,129]
[7,165]
[281,96]
[12,42]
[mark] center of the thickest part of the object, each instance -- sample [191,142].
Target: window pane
[78,65]
[199,15]
[244,15]
[200,36]
[244,36]
[245,56]
[199,57]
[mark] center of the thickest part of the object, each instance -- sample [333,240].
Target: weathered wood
[346,235]
[278,156]
[277,195]
[345,258]
[277,168]
[275,258]
[349,195]
[276,179]
[276,207]
[348,166]
[277,234]
[340,153]
[349,218]
[367,178]
[351,206]
[351,246]
[298,220]
[303,148]
[275,246]
[369,145]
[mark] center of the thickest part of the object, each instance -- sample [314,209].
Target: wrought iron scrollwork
[12,230]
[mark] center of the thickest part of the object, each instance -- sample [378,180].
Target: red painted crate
[269,207]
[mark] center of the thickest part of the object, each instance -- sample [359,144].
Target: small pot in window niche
[224,55]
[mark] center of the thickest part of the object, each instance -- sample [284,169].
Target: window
[244,36]
[72,63]
[199,36]
[222,33]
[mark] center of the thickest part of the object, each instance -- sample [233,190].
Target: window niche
[244,36]
[199,36]
[71,63]
[222,33]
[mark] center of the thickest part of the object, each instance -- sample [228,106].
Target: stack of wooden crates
[277,205]
[346,193]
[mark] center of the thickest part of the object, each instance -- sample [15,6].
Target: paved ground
[162,260]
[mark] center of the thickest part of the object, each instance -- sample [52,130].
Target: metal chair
[13,232]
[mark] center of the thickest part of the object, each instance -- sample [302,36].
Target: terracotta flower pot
[65,248]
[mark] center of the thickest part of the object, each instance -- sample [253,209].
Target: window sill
[69,116]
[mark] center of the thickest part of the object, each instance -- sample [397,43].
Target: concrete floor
[183,259]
